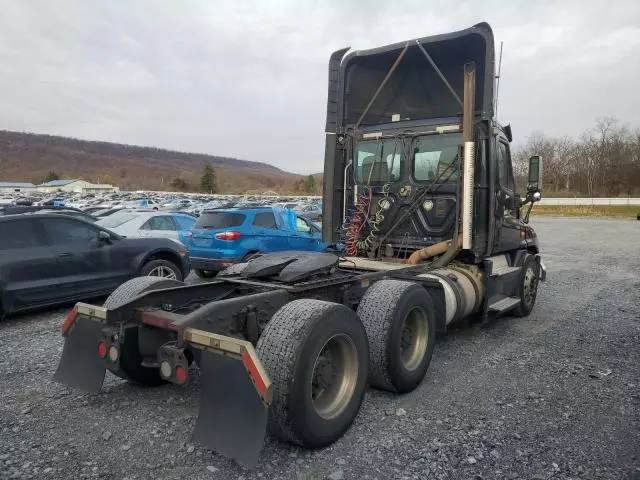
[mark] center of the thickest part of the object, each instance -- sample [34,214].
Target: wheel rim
[530,286]
[334,377]
[414,339]
[162,271]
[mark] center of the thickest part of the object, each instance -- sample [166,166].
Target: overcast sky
[248,79]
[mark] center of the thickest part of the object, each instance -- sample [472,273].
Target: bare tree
[605,160]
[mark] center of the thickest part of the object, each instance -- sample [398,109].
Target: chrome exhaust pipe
[468,164]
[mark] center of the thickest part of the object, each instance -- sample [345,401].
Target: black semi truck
[420,202]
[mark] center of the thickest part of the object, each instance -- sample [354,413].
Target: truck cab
[395,129]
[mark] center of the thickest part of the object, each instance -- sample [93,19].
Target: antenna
[498,80]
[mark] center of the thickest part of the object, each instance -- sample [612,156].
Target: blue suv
[221,238]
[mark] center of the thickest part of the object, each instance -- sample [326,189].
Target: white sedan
[132,223]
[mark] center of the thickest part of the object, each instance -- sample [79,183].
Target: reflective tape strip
[91,310]
[69,321]
[257,376]
[215,341]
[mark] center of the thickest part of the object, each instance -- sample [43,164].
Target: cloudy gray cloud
[248,79]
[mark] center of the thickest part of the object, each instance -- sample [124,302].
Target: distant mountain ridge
[29,157]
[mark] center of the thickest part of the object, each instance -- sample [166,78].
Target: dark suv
[50,259]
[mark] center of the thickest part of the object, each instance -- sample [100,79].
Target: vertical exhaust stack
[468,175]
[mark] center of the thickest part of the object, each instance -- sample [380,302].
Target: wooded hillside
[30,157]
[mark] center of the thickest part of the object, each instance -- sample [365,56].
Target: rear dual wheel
[400,323]
[316,354]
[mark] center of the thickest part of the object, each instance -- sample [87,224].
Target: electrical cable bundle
[362,228]
[357,223]
[376,220]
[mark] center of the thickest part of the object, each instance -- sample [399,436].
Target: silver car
[312,212]
[132,223]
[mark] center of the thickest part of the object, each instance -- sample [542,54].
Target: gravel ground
[555,395]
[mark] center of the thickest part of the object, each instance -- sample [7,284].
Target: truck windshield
[378,161]
[432,154]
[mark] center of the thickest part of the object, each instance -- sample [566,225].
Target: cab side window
[159,223]
[505,175]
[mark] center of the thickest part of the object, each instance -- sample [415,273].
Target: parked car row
[48,259]
[60,255]
[167,201]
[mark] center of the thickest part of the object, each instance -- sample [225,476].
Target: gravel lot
[555,395]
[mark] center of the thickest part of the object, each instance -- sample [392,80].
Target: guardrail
[589,201]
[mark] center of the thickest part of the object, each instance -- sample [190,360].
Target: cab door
[507,235]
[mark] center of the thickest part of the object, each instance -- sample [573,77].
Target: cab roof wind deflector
[382,84]
[416,90]
[440,74]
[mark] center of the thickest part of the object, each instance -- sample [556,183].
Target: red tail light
[228,235]
[69,321]
[181,374]
[102,350]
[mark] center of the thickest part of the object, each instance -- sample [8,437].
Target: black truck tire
[130,367]
[528,287]
[136,286]
[400,323]
[150,269]
[294,348]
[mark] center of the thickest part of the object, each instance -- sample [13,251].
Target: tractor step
[502,271]
[507,303]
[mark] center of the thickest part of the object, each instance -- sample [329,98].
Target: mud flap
[80,365]
[233,416]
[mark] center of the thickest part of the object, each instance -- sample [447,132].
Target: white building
[14,187]
[76,186]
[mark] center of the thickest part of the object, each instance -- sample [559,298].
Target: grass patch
[611,211]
